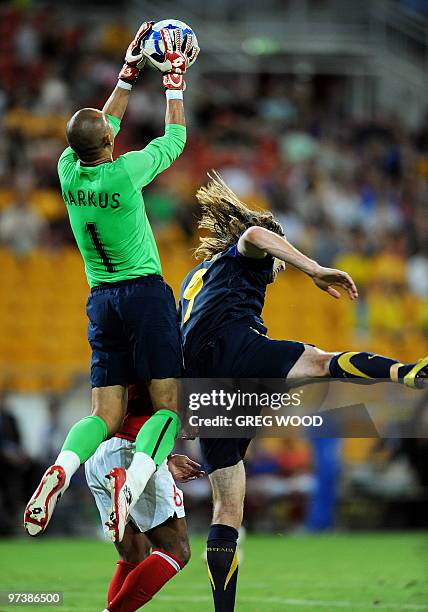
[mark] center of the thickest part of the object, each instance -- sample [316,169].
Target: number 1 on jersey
[99,247]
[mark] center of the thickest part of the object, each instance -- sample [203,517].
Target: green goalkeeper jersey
[106,207]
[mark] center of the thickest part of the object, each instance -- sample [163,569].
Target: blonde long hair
[226,218]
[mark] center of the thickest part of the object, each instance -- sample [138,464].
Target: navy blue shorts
[240,351]
[218,453]
[133,332]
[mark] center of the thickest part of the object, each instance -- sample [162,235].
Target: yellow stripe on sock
[344,361]
[232,570]
[210,576]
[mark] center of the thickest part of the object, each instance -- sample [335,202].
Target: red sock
[144,581]
[122,570]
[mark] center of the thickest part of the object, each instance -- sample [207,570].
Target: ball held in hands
[171,46]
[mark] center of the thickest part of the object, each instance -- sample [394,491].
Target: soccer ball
[154,46]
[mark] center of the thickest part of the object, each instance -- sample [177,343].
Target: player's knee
[163,394]
[108,403]
[131,553]
[113,422]
[180,550]
[184,553]
[112,418]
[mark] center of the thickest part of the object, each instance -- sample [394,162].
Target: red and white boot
[41,506]
[122,500]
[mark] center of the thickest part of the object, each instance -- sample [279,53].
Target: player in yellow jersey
[133,328]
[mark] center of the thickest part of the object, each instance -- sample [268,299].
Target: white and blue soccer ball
[154,46]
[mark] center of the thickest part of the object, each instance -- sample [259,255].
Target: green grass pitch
[308,573]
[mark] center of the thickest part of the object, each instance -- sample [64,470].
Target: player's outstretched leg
[81,443]
[141,575]
[153,444]
[228,485]
[351,364]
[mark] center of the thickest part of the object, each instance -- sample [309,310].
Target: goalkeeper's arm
[174,112]
[134,60]
[117,103]
[143,166]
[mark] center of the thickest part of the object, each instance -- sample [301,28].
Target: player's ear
[108,140]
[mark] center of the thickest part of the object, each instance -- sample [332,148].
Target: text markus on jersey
[92,198]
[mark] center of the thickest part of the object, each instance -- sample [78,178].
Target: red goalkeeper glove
[175,82]
[134,58]
[176,60]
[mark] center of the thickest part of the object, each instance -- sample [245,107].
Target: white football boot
[122,501]
[39,509]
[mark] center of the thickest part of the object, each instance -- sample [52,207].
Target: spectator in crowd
[19,472]
[21,227]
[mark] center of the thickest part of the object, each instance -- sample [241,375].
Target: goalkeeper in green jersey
[133,329]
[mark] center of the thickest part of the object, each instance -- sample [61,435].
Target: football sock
[153,444]
[82,441]
[222,560]
[144,581]
[139,472]
[70,462]
[123,568]
[368,365]
[157,436]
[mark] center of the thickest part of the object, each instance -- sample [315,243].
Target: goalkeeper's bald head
[90,135]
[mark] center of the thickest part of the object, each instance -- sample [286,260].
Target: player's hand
[328,278]
[175,59]
[134,57]
[184,469]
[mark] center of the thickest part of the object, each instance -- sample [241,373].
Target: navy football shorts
[133,332]
[239,352]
